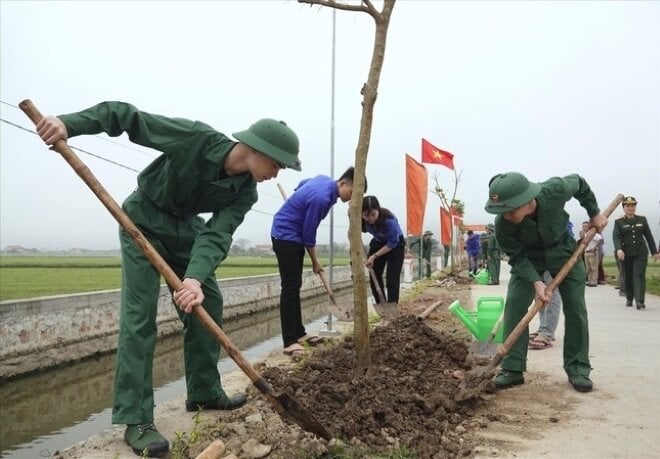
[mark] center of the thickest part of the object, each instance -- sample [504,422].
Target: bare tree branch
[367,7]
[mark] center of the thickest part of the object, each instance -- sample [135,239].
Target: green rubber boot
[145,439]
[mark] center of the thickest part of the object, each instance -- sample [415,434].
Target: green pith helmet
[274,139]
[508,191]
[490,227]
[428,233]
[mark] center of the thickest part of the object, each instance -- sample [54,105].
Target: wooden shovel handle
[327,288]
[538,304]
[427,312]
[379,291]
[154,257]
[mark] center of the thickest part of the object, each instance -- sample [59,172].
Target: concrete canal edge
[45,332]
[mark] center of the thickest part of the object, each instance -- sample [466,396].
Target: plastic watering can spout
[467,317]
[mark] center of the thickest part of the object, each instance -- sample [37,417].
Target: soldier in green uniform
[427,248]
[531,228]
[631,236]
[494,255]
[199,170]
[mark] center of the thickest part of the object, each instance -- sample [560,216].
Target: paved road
[621,417]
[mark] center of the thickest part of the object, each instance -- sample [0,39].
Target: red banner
[445,227]
[417,184]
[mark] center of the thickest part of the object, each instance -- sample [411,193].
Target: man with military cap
[199,170]
[531,229]
[631,236]
[427,247]
[493,254]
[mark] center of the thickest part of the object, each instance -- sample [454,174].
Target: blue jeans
[549,315]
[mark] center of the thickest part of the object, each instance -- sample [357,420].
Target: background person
[548,320]
[473,249]
[494,256]
[591,255]
[386,248]
[199,170]
[630,234]
[427,249]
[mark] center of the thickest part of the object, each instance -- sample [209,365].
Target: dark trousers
[394,262]
[601,271]
[290,256]
[634,271]
[621,276]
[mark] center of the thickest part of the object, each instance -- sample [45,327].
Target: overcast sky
[542,88]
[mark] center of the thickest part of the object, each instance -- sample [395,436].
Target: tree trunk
[369,93]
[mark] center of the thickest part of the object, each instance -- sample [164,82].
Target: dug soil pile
[404,402]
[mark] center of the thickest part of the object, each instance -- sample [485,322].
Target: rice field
[33,276]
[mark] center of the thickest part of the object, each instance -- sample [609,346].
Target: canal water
[49,411]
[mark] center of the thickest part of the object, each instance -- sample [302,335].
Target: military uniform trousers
[634,272]
[173,238]
[494,261]
[520,295]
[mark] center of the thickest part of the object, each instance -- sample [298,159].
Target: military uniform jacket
[187,179]
[493,246]
[632,235]
[542,243]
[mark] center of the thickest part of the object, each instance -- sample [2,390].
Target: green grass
[33,276]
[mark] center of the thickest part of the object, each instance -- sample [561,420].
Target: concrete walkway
[621,417]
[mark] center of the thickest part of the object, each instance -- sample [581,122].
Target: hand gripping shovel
[474,384]
[282,402]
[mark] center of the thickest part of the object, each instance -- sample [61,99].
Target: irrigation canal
[49,411]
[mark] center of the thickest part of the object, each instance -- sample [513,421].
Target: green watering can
[482,277]
[481,321]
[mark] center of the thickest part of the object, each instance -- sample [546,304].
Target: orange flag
[445,227]
[416,192]
[432,154]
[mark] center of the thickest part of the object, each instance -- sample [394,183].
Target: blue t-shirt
[473,245]
[300,216]
[390,232]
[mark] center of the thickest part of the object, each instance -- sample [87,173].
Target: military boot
[507,378]
[144,439]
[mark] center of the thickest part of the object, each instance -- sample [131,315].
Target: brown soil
[405,401]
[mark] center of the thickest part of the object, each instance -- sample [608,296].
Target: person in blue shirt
[294,231]
[473,247]
[386,249]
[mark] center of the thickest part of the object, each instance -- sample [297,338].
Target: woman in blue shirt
[387,247]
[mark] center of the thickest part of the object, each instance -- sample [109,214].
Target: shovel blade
[483,348]
[340,313]
[301,416]
[388,311]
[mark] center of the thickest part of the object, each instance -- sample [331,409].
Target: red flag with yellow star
[432,154]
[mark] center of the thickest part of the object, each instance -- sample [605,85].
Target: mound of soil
[404,401]
[405,398]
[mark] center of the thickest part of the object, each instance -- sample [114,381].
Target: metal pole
[329,330]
